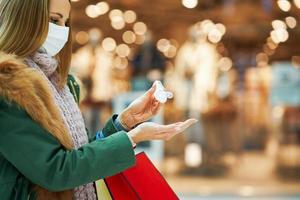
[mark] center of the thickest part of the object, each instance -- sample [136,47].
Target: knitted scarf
[69,110]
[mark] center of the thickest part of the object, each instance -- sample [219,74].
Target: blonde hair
[24,28]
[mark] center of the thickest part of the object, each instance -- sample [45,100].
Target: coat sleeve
[42,159]
[109,129]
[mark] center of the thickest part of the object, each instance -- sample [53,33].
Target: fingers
[156,107]
[171,128]
[162,129]
[148,97]
[151,91]
[166,132]
[162,137]
[154,102]
[182,126]
[187,124]
[166,129]
[165,136]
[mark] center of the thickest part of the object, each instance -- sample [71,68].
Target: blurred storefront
[232,64]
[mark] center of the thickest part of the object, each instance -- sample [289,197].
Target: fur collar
[27,88]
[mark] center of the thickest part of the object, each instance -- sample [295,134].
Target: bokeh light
[225,64]
[140,28]
[123,50]
[130,16]
[297,3]
[92,11]
[82,37]
[291,22]
[103,7]
[129,37]
[109,44]
[190,3]
[284,5]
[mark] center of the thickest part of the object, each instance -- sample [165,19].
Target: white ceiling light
[120,63]
[291,22]
[130,16]
[278,24]
[118,24]
[123,50]
[92,11]
[225,64]
[163,45]
[117,20]
[221,28]
[140,28]
[284,5]
[190,3]
[115,13]
[215,36]
[279,35]
[297,3]
[129,37]
[103,7]
[109,44]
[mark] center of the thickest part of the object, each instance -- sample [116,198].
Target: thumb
[151,91]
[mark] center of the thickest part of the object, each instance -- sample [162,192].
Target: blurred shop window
[148,65]
[285,100]
[103,74]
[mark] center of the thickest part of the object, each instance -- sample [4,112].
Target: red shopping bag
[141,182]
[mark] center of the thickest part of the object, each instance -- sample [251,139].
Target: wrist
[133,134]
[120,125]
[126,120]
[131,140]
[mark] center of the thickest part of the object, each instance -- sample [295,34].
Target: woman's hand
[152,131]
[141,109]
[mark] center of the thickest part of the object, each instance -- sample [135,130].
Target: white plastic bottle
[161,94]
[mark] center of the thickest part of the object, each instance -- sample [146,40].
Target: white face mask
[56,39]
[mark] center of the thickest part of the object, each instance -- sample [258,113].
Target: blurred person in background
[45,152]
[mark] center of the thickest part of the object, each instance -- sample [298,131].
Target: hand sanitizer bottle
[161,94]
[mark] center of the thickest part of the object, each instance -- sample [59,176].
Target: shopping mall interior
[232,64]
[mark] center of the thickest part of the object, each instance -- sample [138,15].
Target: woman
[44,149]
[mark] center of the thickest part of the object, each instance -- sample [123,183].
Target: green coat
[29,154]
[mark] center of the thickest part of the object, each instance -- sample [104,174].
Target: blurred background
[232,64]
